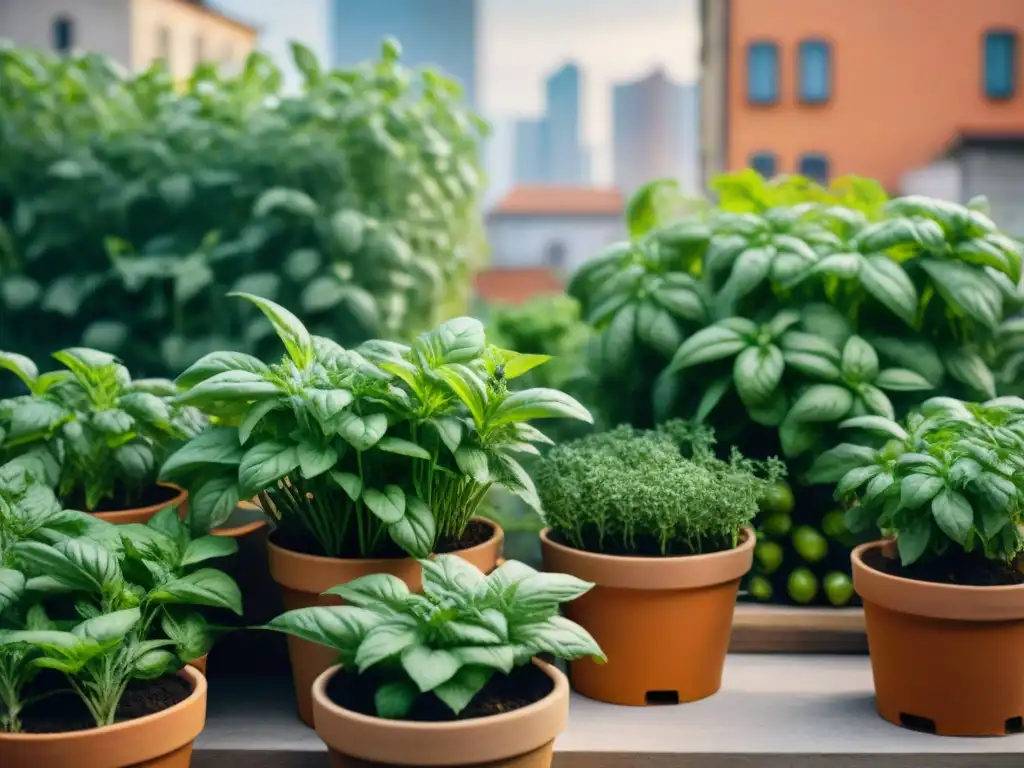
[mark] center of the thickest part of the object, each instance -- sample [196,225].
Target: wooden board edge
[785,629]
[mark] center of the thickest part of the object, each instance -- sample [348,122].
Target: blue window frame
[815,167]
[815,71]
[763,73]
[764,163]
[1000,64]
[63,32]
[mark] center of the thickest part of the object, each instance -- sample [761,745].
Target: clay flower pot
[663,622]
[160,740]
[303,579]
[945,658]
[143,514]
[522,738]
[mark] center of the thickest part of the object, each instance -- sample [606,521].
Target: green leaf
[539,596]
[967,289]
[889,284]
[429,667]
[651,206]
[403,448]
[657,329]
[79,563]
[220,362]
[812,365]
[875,401]
[855,478]
[384,642]
[967,366]
[821,403]
[135,460]
[619,338]
[917,490]
[757,373]
[684,303]
[448,575]
[388,506]
[339,627]
[207,586]
[153,664]
[913,538]
[748,272]
[315,459]
[708,344]
[537,403]
[12,587]
[519,364]
[21,366]
[392,701]
[473,463]
[963,472]
[207,548]
[771,413]
[348,482]
[362,432]
[463,686]
[213,502]
[190,633]
[798,437]
[230,386]
[373,591]
[877,424]
[263,465]
[712,396]
[468,387]
[860,362]
[216,445]
[416,531]
[902,380]
[833,464]
[953,514]
[289,328]
[560,637]
[813,344]
[109,628]
[918,355]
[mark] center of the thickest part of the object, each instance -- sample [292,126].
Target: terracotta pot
[663,622]
[948,659]
[161,740]
[303,579]
[142,514]
[523,738]
[200,663]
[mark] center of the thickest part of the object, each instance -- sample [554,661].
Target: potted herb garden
[364,459]
[944,596]
[666,538]
[96,624]
[449,676]
[94,435]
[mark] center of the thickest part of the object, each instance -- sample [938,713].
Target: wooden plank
[784,629]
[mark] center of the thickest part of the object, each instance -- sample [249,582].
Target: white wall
[942,179]
[100,26]
[999,175]
[522,241]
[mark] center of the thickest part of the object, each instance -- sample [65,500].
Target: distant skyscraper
[441,34]
[655,132]
[531,151]
[500,160]
[566,163]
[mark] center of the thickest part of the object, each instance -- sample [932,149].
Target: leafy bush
[89,430]
[129,205]
[949,480]
[451,640]
[102,604]
[349,448]
[633,492]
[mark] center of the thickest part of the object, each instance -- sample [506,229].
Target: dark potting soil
[477,532]
[65,712]
[152,495]
[641,546]
[961,569]
[504,693]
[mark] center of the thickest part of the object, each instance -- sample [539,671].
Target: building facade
[565,162]
[654,132]
[877,88]
[442,35]
[133,32]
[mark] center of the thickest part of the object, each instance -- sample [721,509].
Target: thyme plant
[89,430]
[451,640]
[355,451]
[634,492]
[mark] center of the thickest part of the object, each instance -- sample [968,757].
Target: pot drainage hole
[658,698]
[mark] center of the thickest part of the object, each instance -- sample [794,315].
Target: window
[163,44]
[1000,64]
[814,167]
[764,163]
[63,30]
[763,73]
[199,44]
[554,255]
[815,74]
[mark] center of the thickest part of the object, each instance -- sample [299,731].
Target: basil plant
[101,604]
[358,453]
[452,639]
[90,431]
[949,479]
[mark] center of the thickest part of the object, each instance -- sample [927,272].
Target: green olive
[802,586]
[777,525]
[760,588]
[779,498]
[834,524]
[769,556]
[809,543]
[838,588]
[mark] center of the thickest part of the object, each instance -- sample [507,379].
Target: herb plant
[634,492]
[949,480]
[101,609]
[88,430]
[453,638]
[351,450]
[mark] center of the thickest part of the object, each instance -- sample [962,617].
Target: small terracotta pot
[663,622]
[160,740]
[944,658]
[200,663]
[143,514]
[303,579]
[523,738]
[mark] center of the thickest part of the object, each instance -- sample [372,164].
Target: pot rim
[179,500]
[190,673]
[401,742]
[955,602]
[651,573]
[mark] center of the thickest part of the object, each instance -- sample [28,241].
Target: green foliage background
[129,205]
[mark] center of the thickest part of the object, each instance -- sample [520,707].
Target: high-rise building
[566,162]
[654,132]
[531,151]
[440,34]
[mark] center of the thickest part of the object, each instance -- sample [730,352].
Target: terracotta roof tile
[515,286]
[560,201]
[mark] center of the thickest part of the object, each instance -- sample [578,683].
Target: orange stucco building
[879,88]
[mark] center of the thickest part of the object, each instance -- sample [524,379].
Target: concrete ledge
[772,712]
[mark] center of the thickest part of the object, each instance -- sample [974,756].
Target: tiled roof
[560,201]
[514,286]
